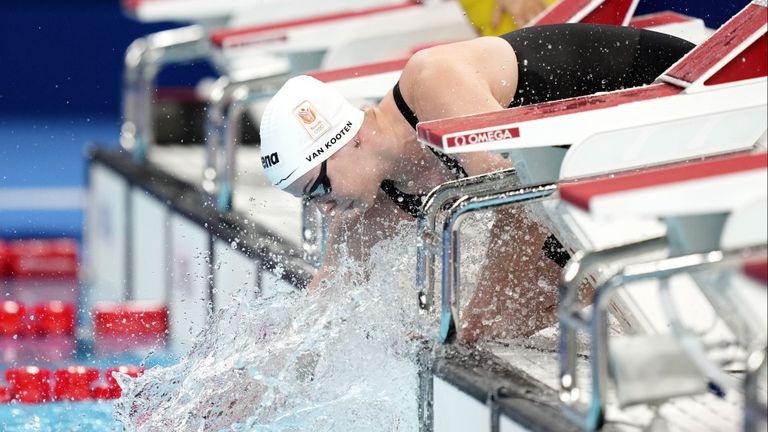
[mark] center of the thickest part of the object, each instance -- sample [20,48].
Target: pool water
[59,417]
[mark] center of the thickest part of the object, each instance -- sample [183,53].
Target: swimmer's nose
[326,206]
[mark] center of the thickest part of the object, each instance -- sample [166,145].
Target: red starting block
[50,259]
[75,383]
[11,318]
[29,384]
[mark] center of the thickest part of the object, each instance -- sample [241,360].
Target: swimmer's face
[345,181]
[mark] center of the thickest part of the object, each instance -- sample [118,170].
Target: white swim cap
[305,123]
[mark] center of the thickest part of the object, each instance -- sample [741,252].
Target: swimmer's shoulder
[440,74]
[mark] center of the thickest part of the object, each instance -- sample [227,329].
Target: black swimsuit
[562,61]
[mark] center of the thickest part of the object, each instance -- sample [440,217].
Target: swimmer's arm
[448,83]
[510,284]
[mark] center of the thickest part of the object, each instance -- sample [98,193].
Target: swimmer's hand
[522,11]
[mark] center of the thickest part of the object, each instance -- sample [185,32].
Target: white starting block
[712,101]
[236,12]
[734,185]
[711,186]
[307,41]
[147,55]
[677,193]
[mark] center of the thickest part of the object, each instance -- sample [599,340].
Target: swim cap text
[269,160]
[328,144]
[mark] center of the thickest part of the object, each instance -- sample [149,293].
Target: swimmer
[367,170]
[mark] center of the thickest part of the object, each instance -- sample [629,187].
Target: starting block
[735,187]
[307,42]
[147,55]
[234,12]
[628,129]
[715,94]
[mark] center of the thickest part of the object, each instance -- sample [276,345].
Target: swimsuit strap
[405,110]
[409,116]
[411,203]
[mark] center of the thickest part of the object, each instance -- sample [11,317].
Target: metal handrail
[434,203]
[228,100]
[572,318]
[451,259]
[581,266]
[144,58]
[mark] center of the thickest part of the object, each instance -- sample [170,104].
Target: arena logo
[328,144]
[483,137]
[269,160]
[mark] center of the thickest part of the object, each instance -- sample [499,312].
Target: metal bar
[593,418]
[426,390]
[434,202]
[228,100]
[575,272]
[451,260]
[143,60]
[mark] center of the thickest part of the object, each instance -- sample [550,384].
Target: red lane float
[129,325]
[5,394]
[32,385]
[12,317]
[29,384]
[46,319]
[54,318]
[46,259]
[113,390]
[75,383]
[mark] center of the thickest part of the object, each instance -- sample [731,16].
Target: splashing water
[342,357]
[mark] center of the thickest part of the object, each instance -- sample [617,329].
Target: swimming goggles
[322,185]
